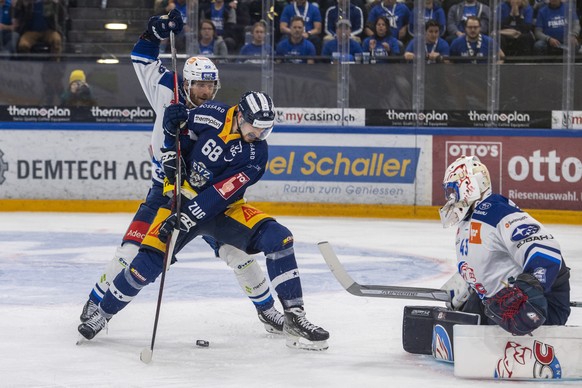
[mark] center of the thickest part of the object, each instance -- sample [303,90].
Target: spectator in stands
[210,44]
[343,34]
[382,44]
[309,12]
[516,27]
[398,15]
[223,14]
[40,21]
[257,47]
[8,35]
[437,49]
[553,29]
[473,44]
[78,92]
[458,15]
[432,11]
[295,44]
[335,14]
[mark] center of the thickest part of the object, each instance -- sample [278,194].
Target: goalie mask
[466,182]
[197,69]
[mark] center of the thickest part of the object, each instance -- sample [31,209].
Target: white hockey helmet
[466,182]
[200,69]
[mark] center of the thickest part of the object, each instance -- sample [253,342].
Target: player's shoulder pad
[493,209]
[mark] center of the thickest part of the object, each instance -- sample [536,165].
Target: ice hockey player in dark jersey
[225,154]
[512,263]
[200,82]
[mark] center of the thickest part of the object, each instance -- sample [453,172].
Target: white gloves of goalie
[459,291]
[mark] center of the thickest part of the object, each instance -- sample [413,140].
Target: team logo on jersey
[524,231]
[540,274]
[484,206]
[475,234]
[521,361]
[231,185]
[199,174]
[234,150]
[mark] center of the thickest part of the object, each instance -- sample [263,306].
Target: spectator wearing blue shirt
[398,15]
[257,48]
[432,11]
[436,50]
[343,34]
[295,45]
[382,44]
[8,35]
[474,46]
[516,27]
[210,44]
[336,12]
[552,29]
[311,15]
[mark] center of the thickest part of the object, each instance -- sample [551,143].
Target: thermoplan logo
[3,167]
[123,114]
[50,113]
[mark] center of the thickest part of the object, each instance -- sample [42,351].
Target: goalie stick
[357,289]
[394,292]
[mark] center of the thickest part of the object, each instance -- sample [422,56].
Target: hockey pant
[248,273]
[241,226]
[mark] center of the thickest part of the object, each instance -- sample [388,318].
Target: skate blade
[81,340]
[305,344]
[270,329]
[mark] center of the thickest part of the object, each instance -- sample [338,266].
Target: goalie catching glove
[160,26]
[520,308]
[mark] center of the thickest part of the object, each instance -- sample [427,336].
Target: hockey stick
[394,292]
[147,353]
[357,289]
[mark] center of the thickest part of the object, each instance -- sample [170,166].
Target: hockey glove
[160,26]
[520,308]
[168,160]
[175,117]
[171,222]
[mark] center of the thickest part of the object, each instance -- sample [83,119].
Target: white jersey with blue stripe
[499,241]
[157,83]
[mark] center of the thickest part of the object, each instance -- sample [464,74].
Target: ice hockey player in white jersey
[199,83]
[512,263]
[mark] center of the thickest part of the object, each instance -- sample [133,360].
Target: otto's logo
[481,149]
[524,231]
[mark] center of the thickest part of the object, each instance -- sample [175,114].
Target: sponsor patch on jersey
[484,206]
[249,212]
[231,185]
[136,231]
[207,120]
[510,222]
[524,231]
[475,237]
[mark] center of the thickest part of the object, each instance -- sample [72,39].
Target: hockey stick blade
[146,355]
[357,289]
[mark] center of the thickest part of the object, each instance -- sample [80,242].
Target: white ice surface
[49,262]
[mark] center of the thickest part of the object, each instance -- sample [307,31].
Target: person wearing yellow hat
[78,93]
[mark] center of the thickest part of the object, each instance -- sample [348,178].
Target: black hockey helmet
[258,110]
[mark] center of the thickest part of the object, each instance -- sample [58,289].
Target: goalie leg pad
[442,335]
[419,324]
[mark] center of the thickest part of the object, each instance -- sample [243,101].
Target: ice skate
[302,334]
[88,309]
[91,327]
[272,320]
